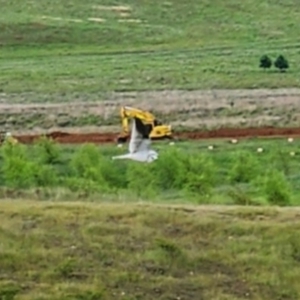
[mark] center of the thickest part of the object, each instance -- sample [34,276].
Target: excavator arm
[158,130]
[125,123]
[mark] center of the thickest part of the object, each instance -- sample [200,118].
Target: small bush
[114,173]
[141,179]
[245,168]
[199,174]
[45,175]
[281,63]
[8,291]
[168,169]
[265,62]
[85,166]
[277,189]
[47,151]
[17,170]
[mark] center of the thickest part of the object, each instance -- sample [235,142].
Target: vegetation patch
[92,251]
[187,171]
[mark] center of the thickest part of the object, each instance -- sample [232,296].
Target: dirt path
[208,114]
[101,138]
[189,109]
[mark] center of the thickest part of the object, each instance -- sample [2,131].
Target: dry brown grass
[129,251]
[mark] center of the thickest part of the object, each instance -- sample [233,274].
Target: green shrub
[168,169]
[141,179]
[198,174]
[276,188]
[245,168]
[17,170]
[280,160]
[85,166]
[265,62]
[114,173]
[45,175]
[175,170]
[47,151]
[8,290]
[177,173]
[281,63]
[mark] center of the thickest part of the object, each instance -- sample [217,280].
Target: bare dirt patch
[185,110]
[117,8]
[130,21]
[99,20]
[60,19]
[79,137]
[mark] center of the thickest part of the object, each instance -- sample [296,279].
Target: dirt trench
[104,138]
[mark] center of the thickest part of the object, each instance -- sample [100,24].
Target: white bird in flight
[139,145]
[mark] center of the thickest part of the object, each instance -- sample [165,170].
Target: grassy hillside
[91,251]
[172,24]
[66,46]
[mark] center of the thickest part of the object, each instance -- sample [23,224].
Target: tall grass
[201,177]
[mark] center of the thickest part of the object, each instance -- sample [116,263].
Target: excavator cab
[158,130]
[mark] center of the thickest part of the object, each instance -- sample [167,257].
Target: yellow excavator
[159,130]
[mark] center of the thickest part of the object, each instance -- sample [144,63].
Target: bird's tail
[124,156]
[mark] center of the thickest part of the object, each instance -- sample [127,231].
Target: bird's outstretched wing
[139,140]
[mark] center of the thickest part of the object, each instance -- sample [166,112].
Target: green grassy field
[90,251]
[53,46]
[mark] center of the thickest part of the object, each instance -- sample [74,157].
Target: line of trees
[280,63]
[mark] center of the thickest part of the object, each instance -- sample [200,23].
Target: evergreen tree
[281,63]
[265,62]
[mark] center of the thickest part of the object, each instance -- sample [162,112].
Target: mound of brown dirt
[99,138]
